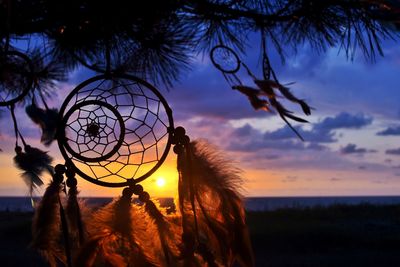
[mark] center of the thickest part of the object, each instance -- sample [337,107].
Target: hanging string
[15,124]
[43,99]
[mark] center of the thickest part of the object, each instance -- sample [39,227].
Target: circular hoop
[225,59]
[140,116]
[15,73]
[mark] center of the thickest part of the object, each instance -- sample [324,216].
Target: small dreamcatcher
[15,77]
[264,96]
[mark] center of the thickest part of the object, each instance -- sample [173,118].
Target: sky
[352,140]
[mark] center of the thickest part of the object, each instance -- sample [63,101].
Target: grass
[339,235]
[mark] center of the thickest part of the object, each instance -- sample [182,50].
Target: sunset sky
[352,143]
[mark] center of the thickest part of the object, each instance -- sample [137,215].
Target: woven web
[93,130]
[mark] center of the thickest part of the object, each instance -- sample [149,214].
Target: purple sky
[352,142]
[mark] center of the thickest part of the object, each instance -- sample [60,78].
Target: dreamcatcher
[115,130]
[264,96]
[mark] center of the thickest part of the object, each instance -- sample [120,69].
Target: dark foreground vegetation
[340,235]
[362,235]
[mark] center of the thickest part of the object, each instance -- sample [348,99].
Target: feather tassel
[46,225]
[219,209]
[111,238]
[73,213]
[46,119]
[32,162]
[163,228]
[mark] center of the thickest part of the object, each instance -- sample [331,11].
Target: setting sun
[160,181]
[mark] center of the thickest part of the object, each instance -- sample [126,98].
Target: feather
[111,238]
[46,226]
[164,232]
[220,214]
[47,120]
[268,85]
[32,162]
[74,217]
[32,181]
[252,95]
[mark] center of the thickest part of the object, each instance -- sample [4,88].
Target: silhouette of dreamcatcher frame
[115,130]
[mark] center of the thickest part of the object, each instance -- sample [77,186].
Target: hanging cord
[16,130]
[266,65]
[15,123]
[267,68]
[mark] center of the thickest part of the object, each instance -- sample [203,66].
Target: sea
[26,204]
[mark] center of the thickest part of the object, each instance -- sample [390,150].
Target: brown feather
[46,226]
[219,208]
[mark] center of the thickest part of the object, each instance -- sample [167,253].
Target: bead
[127,192]
[144,197]
[58,178]
[71,182]
[59,168]
[18,149]
[70,173]
[178,149]
[185,140]
[137,189]
[179,131]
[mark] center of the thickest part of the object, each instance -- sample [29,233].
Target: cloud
[255,145]
[343,120]
[272,156]
[323,131]
[353,149]
[243,131]
[334,179]
[390,131]
[318,136]
[395,151]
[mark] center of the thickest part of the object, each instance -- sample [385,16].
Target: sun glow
[160,182]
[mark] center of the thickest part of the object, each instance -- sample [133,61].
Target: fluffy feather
[252,95]
[47,120]
[112,239]
[75,223]
[32,162]
[164,232]
[218,207]
[266,86]
[46,226]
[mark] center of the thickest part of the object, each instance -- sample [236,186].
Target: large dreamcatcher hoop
[15,77]
[115,130]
